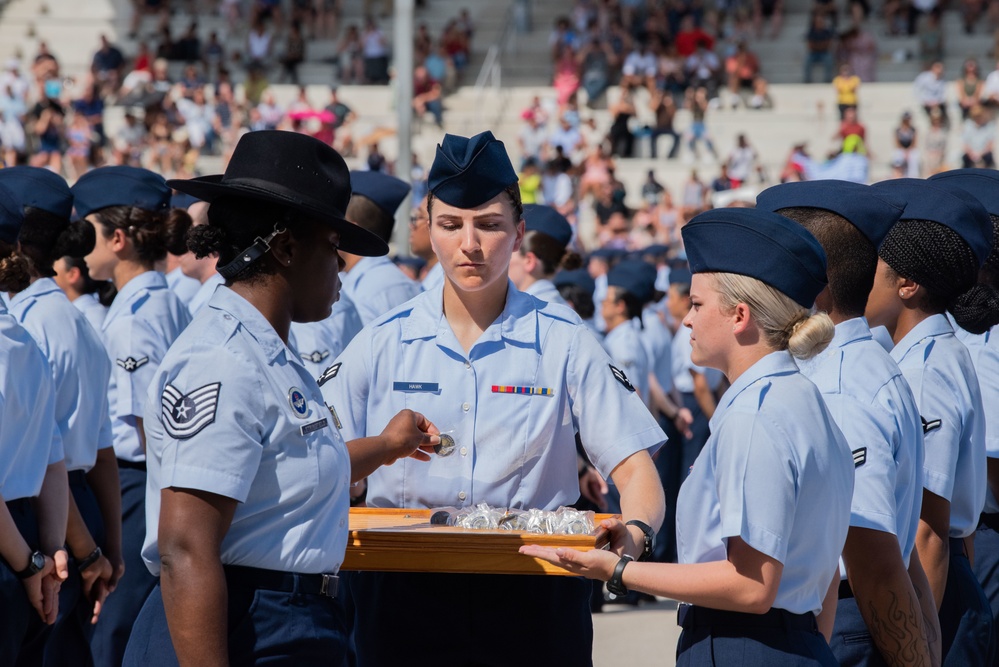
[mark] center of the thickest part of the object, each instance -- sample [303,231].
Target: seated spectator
[259,45]
[819,42]
[427,96]
[596,169]
[695,194]
[596,59]
[846,84]
[651,189]
[107,66]
[990,90]
[213,55]
[741,69]
[969,87]
[905,159]
[931,38]
[533,136]
[761,94]
[375,53]
[619,136]
[935,147]
[188,47]
[456,44]
[529,181]
[664,108]
[561,37]
[978,136]
[741,162]
[294,53]
[722,182]
[557,190]
[12,112]
[350,60]
[851,126]
[441,68]
[931,90]
[639,68]
[768,10]
[566,76]
[860,51]
[690,37]
[47,122]
[794,166]
[670,76]
[566,136]
[703,69]
[191,80]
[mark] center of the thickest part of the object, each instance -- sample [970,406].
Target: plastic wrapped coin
[446,445]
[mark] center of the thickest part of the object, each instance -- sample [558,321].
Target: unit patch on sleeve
[930,425]
[184,415]
[131,364]
[329,373]
[622,378]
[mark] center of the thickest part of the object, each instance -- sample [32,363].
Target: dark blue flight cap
[386,192]
[548,221]
[607,254]
[656,249]
[39,188]
[948,205]
[469,172]
[636,277]
[871,211]
[982,184]
[758,244]
[183,200]
[11,216]
[679,276]
[412,262]
[579,277]
[120,186]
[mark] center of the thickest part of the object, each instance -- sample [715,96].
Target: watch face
[37,562]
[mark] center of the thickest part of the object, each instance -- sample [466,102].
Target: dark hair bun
[177,224]
[14,272]
[75,241]
[976,310]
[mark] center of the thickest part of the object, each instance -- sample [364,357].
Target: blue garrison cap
[39,188]
[948,205]
[183,200]
[410,261]
[680,276]
[120,186]
[548,221]
[871,211]
[608,254]
[579,277]
[982,184]
[656,249]
[11,216]
[636,277]
[469,172]
[386,192]
[758,244]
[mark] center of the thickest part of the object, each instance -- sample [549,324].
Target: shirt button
[461,495]
[464,451]
[468,365]
[465,407]
[227,317]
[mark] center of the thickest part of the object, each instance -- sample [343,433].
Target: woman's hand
[96,584]
[38,589]
[409,434]
[594,564]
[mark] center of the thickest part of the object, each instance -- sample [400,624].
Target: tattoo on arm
[898,636]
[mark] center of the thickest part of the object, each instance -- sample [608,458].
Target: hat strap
[250,255]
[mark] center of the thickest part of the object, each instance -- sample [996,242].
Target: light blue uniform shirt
[939,369]
[626,349]
[776,472]
[682,365]
[232,411]
[92,308]
[984,350]
[434,278]
[143,321]
[319,343]
[874,407]
[658,341]
[29,435]
[184,287]
[376,286]
[204,293]
[599,294]
[513,404]
[79,365]
[546,291]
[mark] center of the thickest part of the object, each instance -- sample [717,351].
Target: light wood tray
[403,540]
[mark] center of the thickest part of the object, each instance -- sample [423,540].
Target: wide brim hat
[293,170]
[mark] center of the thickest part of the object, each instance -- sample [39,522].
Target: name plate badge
[425,387]
[314,426]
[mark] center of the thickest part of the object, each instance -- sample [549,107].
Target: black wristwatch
[650,538]
[36,563]
[614,585]
[90,560]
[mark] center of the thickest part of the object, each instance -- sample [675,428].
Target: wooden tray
[402,540]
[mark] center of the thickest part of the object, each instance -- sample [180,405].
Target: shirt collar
[851,331]
[148,280]
[365,264]
[252,321]
[774,364]
[517,323]
[934,325]
[36,289]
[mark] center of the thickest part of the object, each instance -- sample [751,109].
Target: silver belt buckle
[331,583]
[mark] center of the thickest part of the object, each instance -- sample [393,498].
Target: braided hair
[936,257]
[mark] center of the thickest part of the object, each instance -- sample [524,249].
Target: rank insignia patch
[184,415]
[131,364]
[859,457]
[622,378]
[930,425]
[316,357]
[329,373]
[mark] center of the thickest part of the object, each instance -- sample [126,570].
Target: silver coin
[446,446]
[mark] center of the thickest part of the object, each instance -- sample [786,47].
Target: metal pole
[403,57]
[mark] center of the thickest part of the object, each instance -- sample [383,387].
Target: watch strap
[614,585]
[650,537]
[90,560]
[36,562]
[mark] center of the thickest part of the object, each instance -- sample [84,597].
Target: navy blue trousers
[417,619]
[266,629]
[987,570]
[966,623]
[851,640]
[121,607]
[69,643]
[712,638]
[22,631]
[673,464]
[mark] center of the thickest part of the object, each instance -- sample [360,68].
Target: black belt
[132,465]
[690,616]
[957,547]
[77,478]
[19,506]
[845,590]
[286,582]
[990,521]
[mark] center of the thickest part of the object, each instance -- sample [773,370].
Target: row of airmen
[883,462]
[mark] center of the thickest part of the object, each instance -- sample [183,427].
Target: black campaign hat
[296,171]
